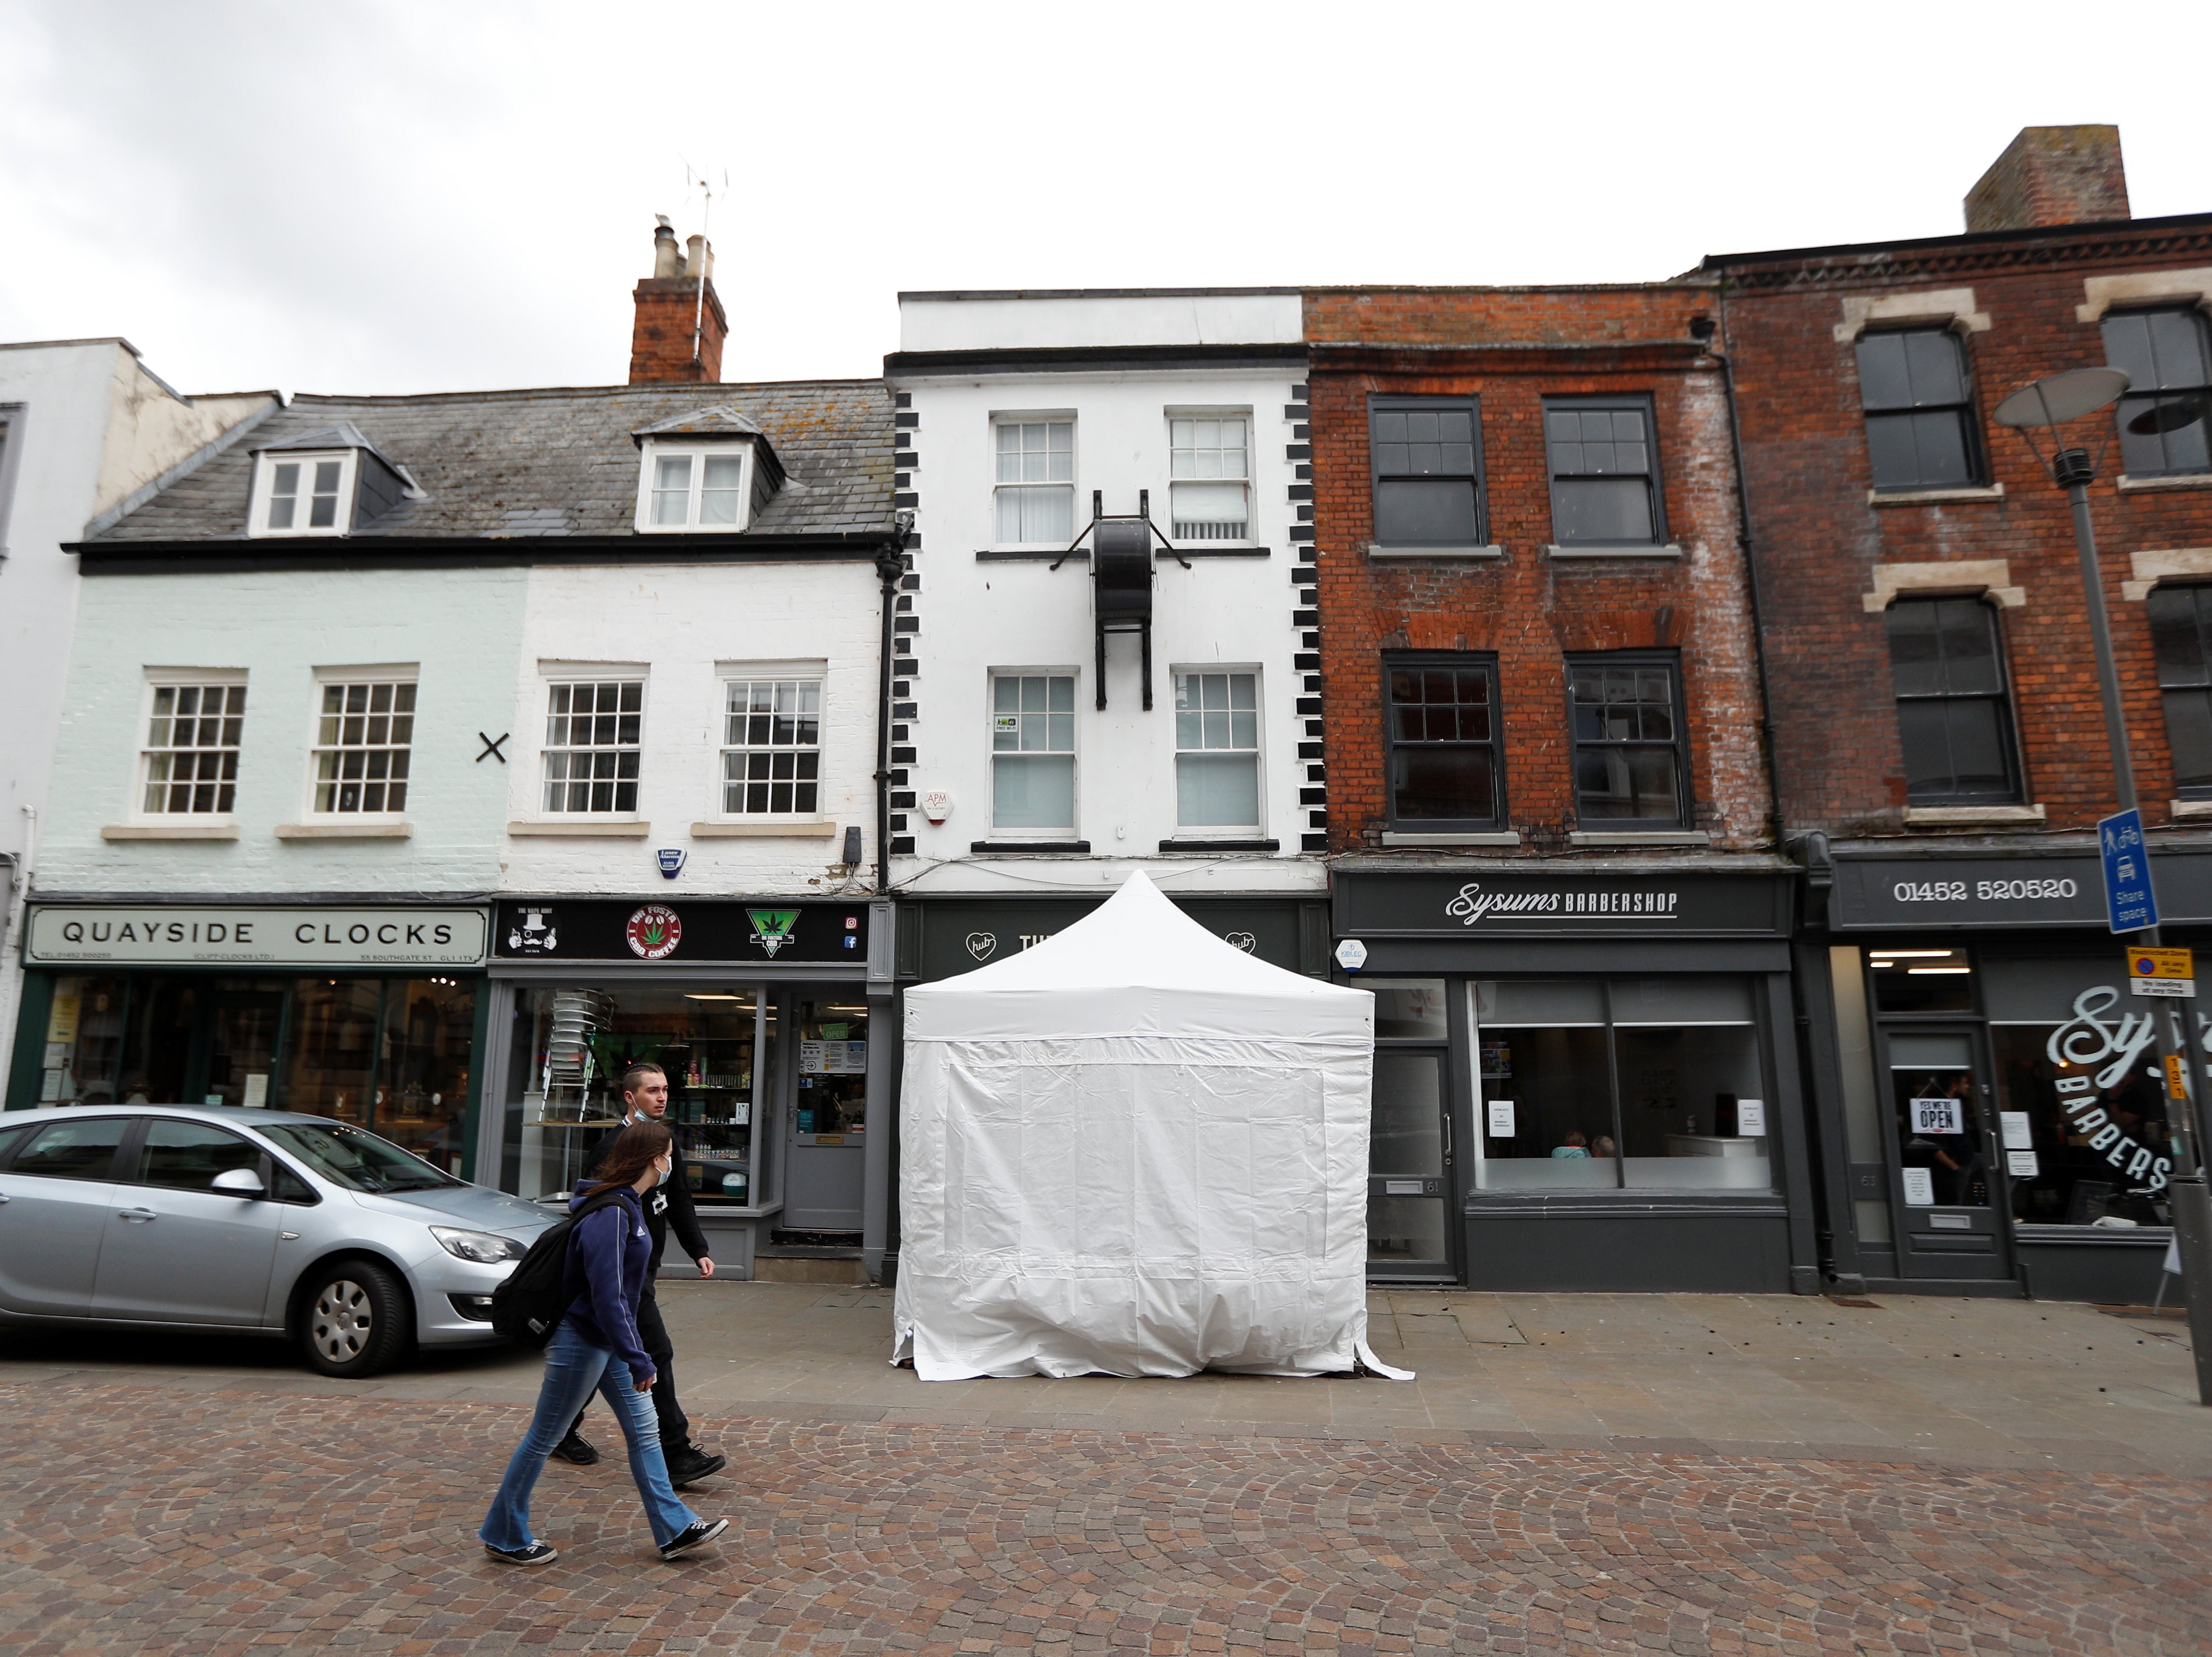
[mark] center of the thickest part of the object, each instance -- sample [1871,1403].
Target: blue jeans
[573,1367]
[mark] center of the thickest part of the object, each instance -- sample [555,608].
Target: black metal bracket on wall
[1121,578]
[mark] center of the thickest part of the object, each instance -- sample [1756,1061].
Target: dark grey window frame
[1684,779]
[1397,402]
[2167,691]
[1458,660]
[2132,404]
[2009,713]
[1654,481]
[1968,409]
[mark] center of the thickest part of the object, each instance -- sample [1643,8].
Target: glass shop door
[1946,1169]
[828,1138]
[234,1048]
[1411,1233]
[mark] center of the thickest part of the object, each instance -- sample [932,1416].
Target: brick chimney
[2051,175]
[661,339]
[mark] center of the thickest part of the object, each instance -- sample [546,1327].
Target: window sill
[368,828]
[768,831]
[1934,497]
[1499,837]
[1004,847]
[1032,554]
[170,831]
[1672,549]
[1970,817]
[2190,811]
[2186,481]
[1448,554]
[1639,837]
[588,827]
[1173,847]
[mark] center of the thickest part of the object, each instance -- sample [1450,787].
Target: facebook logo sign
[2129,903]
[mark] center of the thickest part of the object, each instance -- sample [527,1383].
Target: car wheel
[354,1320]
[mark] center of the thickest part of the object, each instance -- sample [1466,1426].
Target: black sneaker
[576,1449]
[537,1553]
[691,1464]
[690,1537]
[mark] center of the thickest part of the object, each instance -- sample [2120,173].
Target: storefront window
[84,1043]
[424,1066]
[833,1068]
[333,1058]
[1922,980]
[2081,1106]
[1653,1083]
[572,1046]
[1940,1145]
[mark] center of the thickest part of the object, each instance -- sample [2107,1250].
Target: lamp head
[2061,398]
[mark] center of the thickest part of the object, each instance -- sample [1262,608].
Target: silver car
[252,1222]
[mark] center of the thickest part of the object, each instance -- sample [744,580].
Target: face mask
[663,1169]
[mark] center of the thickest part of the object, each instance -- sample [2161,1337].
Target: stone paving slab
[151,1520]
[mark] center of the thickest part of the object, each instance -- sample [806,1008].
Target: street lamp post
[2049,404]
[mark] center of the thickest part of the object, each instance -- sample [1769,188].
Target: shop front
[366,1013]
[2004,1119]
[1584,1079]
[944,937]
[760,1012]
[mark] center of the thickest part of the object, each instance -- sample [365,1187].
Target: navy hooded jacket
[607,1255]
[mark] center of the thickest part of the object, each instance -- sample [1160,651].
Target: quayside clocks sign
[303,935]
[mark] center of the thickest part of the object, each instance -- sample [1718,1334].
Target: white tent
[1133,1148]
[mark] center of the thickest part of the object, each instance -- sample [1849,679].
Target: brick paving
[221,1518]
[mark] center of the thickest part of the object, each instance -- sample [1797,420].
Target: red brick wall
[1837,752]
[660,342]
[1512,347]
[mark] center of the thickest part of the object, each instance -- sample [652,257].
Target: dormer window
[329,481]
[304,495]
[711,471]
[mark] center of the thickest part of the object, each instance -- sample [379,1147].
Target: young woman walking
[596,1345]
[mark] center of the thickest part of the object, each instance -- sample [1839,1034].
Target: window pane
[1217,790]
[1626,781]
[720,496]
[1556,1081]
[188,1156]
[1437,512]
[2189,738]
[1594,511]
[1037,515]
[1405,1140]
[1679,1090]
[1940,457]
[72,1150]
[1442,784]
[1032,791]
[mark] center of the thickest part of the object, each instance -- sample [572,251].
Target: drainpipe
[876,1155]
[1750,574]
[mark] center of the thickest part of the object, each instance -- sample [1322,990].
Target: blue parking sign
[2129,903]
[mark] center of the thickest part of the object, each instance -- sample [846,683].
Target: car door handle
[136,1215]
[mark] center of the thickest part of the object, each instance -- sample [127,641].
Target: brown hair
[631,1076]
[636,1148]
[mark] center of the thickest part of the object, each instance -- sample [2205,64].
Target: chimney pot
[2051,175]
[700,260]
[667,258]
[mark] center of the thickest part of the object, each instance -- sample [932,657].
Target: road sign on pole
[2163,972]
[2129,905]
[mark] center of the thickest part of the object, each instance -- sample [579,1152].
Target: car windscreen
[356,1160]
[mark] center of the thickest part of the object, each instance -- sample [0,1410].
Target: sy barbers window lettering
[2087,1040]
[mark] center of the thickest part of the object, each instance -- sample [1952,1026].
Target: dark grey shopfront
[1990,1096]
[1585,1078]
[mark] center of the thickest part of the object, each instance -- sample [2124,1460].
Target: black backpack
[528,1306]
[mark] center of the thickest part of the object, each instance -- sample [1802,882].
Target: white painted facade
[978,615]
[87,426]
[688,630]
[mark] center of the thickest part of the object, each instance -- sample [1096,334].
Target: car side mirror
[239,1182]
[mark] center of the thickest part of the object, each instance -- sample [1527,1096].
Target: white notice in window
[1751,1119]
[1501,1119]
[257,1089]
[1938,1116]
[1919,1188]
[2022,1165]
[2016,1134]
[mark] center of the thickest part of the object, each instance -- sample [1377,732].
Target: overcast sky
[411,196]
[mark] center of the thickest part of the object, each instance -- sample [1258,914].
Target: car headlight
[484,1248]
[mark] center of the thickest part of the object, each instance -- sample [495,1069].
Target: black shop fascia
[1586,1077]
[764,1013]
[1993,1095]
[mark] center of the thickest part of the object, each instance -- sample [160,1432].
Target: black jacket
[664,1206]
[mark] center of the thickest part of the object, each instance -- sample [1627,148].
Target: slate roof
[555,462]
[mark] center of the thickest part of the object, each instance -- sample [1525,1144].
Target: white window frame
[726,674]
[654,451]
[1174,524]
[264,482]
[1072,830]
[1072,483]
[570,674]
[1258,752]
[394,673]
[158,679]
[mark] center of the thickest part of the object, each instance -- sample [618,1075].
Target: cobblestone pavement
[226,1518]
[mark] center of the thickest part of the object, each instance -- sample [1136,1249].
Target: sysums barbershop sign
[2108,1050]
[303,936]
[1564,903]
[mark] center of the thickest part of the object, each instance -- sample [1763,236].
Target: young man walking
[644,1099]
